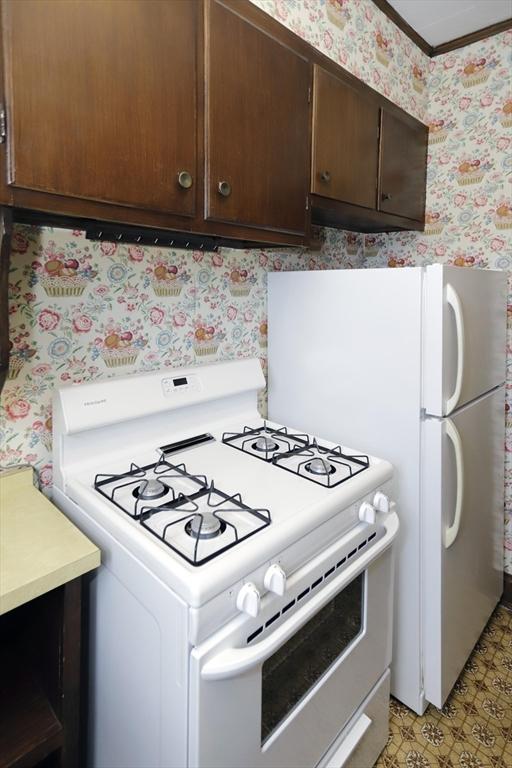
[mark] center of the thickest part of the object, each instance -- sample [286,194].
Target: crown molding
[450,45]
[401,23]
[472,37]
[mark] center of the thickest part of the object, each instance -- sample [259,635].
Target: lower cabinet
[40,671]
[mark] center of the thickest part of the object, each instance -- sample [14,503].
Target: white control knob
[248,600]
[381,502]
[367,513]
[275,579]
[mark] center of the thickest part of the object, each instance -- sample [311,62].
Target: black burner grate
[162,469]
[298,445]
[221,505]
[216,504]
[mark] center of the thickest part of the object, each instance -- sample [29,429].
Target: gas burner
[320,467]
[266,444]
[141,486]
[327,466]
[150,489]
[207,514]
[298,453]
[205,526]
[196,520]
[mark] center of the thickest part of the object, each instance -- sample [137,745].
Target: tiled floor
[474,728]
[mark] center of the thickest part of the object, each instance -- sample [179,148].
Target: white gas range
[242,613]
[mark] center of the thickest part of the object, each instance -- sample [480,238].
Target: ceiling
[439,21]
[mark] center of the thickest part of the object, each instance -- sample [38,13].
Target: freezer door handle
[453,300]
[452,530]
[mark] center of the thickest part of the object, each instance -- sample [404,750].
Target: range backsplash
[82,310]
[103,310]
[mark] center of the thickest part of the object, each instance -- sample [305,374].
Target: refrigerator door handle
[452,530]
[453,300]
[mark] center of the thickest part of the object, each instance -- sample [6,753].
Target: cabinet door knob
[185,179]
[325,176]
[386,196]
[224,188]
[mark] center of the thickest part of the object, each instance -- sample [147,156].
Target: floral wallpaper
[360,37]
[469,185]
[82,310]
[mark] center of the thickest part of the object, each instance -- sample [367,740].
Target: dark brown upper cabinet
[368,169]
[194,116]
[101,100]
[257,125]
[403,166]
[345,157]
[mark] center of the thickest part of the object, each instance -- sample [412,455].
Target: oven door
[281,699]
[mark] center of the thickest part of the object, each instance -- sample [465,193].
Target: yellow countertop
[40,549]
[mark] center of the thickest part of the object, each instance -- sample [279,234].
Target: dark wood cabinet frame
[42,707]
[79,208]
[368,162]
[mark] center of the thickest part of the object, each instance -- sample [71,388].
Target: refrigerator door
[464,335]
[462,535]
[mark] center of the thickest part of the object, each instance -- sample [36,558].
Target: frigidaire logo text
[95,402]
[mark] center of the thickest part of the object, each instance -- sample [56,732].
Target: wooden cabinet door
[101,99]
[257,117]
[345,142]
[403,165]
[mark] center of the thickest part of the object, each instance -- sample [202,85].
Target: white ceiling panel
[439,21]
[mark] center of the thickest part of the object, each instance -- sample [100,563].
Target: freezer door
[462,536]
[464,325]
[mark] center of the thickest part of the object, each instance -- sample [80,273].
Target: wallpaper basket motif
[167,287]
[205,349]
[337,13]
[474,178]
[477,79]
[64,286]
[115,358]
[15,366]
[503,217]
[437,138]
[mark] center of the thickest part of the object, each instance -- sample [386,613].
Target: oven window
[295,668]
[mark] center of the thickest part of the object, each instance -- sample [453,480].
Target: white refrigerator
[409,364]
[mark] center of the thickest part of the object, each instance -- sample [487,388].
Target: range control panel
[174,386]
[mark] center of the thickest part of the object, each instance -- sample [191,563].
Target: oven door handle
[232,662]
